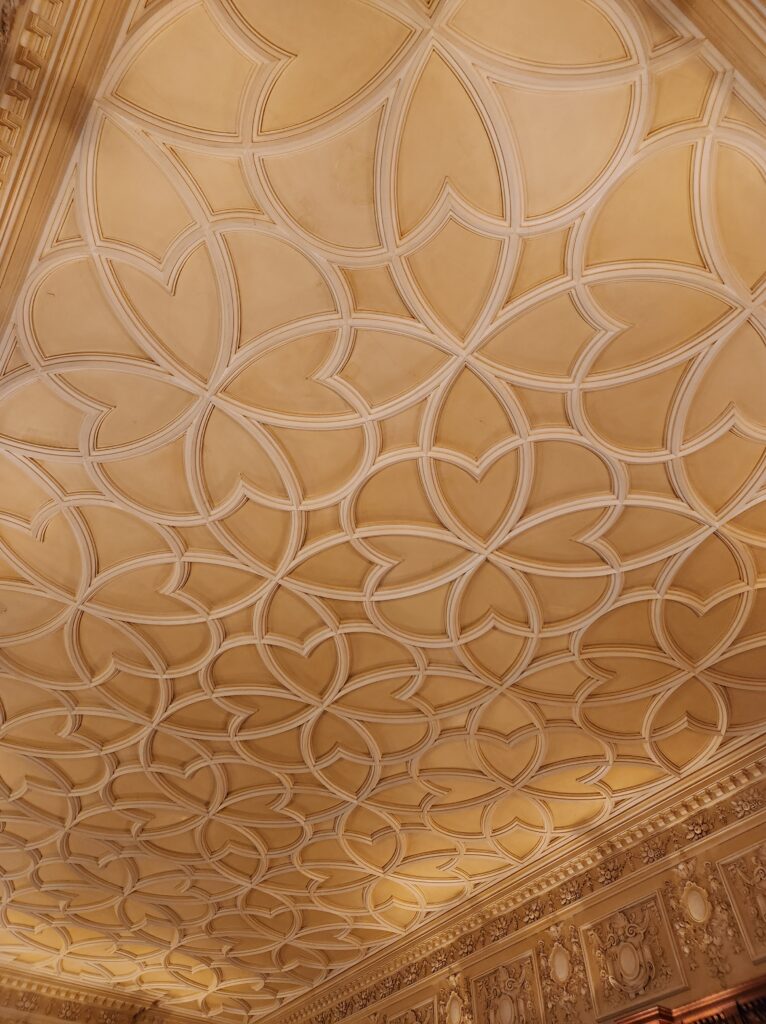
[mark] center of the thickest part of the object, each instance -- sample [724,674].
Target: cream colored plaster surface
[382,447]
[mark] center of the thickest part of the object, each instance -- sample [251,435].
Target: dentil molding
[34,998]
[52,53]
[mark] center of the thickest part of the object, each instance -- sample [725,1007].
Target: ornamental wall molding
[563,976]
[52,54]
[738,28]
[627,855]
[33,998]
[631,957]
[424,1013]
[744,875]
[453,1001]
[702,917]
[509,993]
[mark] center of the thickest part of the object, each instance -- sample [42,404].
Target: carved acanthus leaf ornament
[632,954]
[508,995]
[745,876]
[562,974]
[8,10]
[702,917]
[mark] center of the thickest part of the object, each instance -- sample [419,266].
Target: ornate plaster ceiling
[382,493]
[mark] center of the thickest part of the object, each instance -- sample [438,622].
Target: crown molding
[50,67]
[738,29]
[635,849]
[625,846]
[38,999]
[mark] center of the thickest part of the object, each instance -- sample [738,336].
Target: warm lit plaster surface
[383,435]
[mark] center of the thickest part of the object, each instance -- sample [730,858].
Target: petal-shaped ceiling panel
[381,486]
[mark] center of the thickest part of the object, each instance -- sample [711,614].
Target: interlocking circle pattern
[382,476]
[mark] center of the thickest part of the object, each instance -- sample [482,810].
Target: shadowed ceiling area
[381,479]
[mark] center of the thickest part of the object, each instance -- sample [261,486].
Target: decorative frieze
[631,957]
[23,997]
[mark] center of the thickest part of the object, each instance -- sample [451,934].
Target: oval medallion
[697,905]
[506,1012]
[455,1010]
[629,961]
[560,967]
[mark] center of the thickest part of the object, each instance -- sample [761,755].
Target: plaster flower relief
[702,917]
[745,878]
[632,957]
[509,994]
[566,995]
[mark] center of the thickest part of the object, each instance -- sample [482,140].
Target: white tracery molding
[330,600]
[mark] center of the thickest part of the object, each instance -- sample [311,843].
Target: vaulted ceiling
[381,479]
